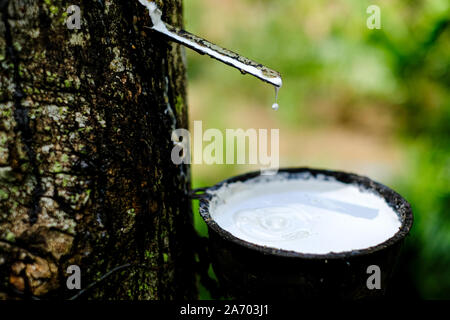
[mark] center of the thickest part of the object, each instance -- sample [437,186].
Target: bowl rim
[400,206]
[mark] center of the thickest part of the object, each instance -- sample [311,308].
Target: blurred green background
[374,102]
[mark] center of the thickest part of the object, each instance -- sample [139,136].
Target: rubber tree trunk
[86,176]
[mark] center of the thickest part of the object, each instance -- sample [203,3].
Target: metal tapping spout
[203,46]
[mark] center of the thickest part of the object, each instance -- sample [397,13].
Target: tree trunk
[86,176]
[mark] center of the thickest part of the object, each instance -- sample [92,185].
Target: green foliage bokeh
[337,73]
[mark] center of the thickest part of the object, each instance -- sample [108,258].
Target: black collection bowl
[246,270]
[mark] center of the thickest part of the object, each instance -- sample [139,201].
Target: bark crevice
[22,119]
[88,140]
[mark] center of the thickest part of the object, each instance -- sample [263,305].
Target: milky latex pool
[315,215]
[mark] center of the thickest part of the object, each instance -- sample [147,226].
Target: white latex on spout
[160,26]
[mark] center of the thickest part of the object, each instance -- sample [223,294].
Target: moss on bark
[85,139]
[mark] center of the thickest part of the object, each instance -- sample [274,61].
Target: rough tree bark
[85,139]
